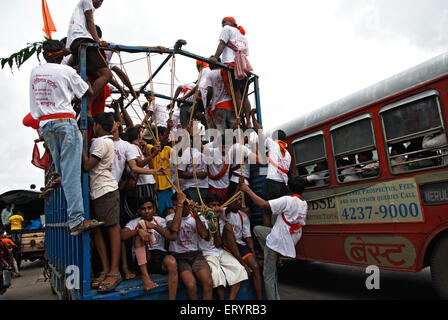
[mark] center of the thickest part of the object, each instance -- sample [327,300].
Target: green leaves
[23,55]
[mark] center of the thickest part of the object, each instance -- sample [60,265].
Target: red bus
[377,166]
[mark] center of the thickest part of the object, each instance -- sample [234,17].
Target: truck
[69,258]
[31,206]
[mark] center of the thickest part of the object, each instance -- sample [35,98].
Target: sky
[307,54]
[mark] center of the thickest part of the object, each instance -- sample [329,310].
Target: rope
[196,94]
[237,116]
[173,74]
[107,65]
[153,98]
[210,216]
[234,198]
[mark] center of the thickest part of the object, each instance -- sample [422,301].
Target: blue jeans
[64,140]
[225,118]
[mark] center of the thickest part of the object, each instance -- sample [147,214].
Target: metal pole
[143,87]
[85,243]
[257,100]
[134,49]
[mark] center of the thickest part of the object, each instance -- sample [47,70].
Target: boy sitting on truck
[149,233]
[224,267]
[185,249]
[235,230]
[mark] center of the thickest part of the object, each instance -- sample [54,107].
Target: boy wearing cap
[52,88]
[105,198]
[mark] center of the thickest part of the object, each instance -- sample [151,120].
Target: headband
[52,53]
[240,28]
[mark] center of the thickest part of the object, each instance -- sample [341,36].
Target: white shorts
[225,269]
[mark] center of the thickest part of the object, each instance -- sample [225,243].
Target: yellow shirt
[162,182]
[15,222]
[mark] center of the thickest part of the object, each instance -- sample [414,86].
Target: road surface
[301,280]
[298,281]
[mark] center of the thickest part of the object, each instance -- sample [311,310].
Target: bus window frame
[307,163]
[355,151]
[401,103]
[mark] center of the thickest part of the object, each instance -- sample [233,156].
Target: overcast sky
[306,53]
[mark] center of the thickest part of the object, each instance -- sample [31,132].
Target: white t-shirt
[159,243]
[187,87]
[220,94]
[143,178]
[216,163]
[124,151]
[162,114]
[52,89]
[349,175]
[232,34]
[175,117]
[275,154]
[240,224]
[208,248]
[235,156]
[203,85]
[200,163]
[280,239]
[318,178]
[187,237]
[101,179]
[205,72]
[78,24]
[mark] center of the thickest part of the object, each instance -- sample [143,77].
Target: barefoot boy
[149,233]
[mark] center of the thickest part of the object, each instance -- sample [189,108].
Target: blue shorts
[164,200]
[244,251]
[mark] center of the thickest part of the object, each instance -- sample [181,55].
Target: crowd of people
[167,196]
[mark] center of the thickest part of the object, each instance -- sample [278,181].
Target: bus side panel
[392,251]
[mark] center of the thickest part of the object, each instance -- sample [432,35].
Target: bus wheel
[439,267]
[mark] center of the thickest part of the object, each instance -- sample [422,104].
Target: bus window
[311,159]
[415,142]
[355,150]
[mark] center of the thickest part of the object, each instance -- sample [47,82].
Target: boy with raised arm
[149,233]
[286,233]
[279,162]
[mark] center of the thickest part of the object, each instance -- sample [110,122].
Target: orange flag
[48,22]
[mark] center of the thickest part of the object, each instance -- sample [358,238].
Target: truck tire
[439,267]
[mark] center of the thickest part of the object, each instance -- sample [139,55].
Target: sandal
[108,286]
[91,224]
[96,282]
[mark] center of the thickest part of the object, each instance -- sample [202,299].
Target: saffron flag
[49,26]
